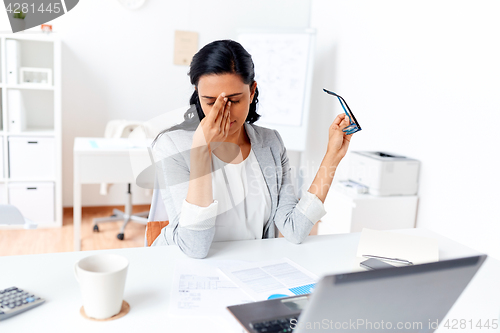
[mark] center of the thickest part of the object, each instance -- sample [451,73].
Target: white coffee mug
[102,281]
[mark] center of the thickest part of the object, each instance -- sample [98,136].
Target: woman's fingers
[345,122]
[217,112]
[219,123]
[340,122]
[227,123]
[225,116]
[339,119]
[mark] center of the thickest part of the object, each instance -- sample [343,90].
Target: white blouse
[244,202]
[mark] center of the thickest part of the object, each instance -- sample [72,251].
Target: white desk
[150,274]
[99,160]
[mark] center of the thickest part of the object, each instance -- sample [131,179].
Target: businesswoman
[224,178]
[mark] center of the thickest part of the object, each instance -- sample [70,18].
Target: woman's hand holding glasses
[338,141]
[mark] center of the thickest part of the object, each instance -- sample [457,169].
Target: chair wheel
[120,236]
[96,228]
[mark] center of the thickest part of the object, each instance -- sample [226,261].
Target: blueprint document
[271,279]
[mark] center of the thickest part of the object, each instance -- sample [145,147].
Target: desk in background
[150,274]
[100,160]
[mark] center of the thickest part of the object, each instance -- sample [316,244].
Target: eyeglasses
[353,123]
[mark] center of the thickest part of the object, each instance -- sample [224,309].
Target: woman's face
[239,93]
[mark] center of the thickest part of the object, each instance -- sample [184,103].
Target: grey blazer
[293,218]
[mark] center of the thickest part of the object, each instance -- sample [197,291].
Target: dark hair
[219,57]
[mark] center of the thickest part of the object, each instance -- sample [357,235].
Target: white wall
[423,79]
[118,64]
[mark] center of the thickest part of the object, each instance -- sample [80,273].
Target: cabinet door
[3,194]
[31,158]
[2,173]
[350,212]
[384,213]
[34,200]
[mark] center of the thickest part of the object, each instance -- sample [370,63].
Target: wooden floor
[18,242]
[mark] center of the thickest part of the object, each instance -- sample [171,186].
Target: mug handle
[76,273]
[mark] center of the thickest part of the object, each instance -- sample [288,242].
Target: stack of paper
[416,249]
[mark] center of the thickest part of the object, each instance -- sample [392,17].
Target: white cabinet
[31,157]
[3,194]
[2,174]
[30,126]
[351,212]
[35,200]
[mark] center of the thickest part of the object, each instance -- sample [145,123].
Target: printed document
[199,288]
[271,279]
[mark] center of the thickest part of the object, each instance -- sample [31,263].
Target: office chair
[158,217]
[10,215]
[126,216]
[121,129]
[157,212]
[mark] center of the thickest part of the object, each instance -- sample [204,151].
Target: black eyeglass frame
[354,125]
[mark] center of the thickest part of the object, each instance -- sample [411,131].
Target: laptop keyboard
[275,326]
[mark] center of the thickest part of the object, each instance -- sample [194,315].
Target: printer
[384,174]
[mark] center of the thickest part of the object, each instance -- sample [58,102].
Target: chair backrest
[157,212]
[120,128]
[10,215]
[153,230]
[150,129]
[157,218]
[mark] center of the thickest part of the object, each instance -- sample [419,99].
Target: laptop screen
[404,299]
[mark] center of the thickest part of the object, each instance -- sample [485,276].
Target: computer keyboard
[281,325]
[14,301]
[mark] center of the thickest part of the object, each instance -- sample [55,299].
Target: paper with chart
[272,279]
[200,289]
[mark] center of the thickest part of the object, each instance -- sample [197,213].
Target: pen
[403,261]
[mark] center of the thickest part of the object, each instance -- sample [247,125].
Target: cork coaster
[123,311]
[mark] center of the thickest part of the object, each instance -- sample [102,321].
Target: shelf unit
[42,118]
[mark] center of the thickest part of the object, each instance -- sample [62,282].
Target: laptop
[398,299]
